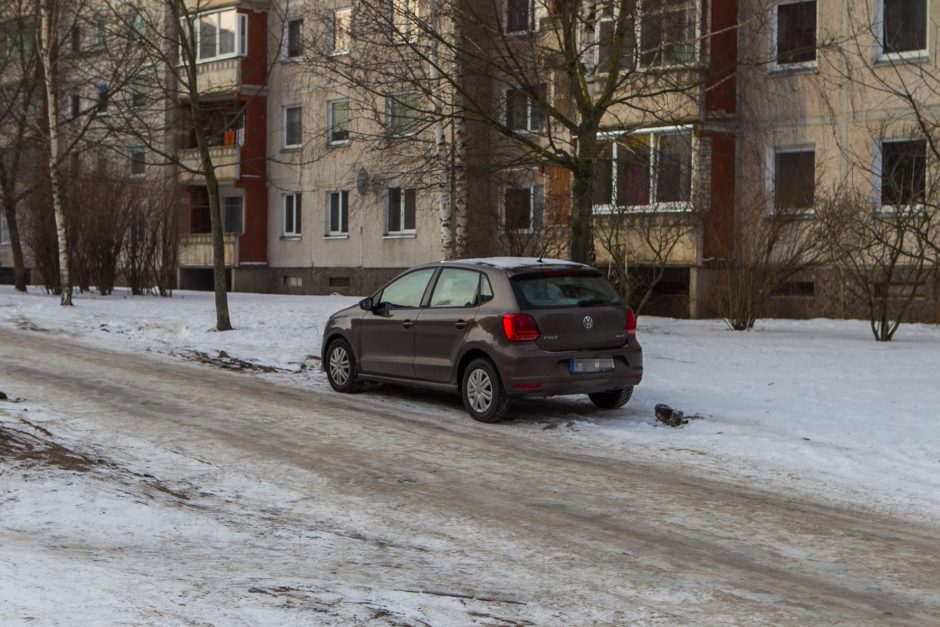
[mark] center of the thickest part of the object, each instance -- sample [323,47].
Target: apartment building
[845,105]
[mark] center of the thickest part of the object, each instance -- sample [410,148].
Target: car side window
[406,292]
[456,288]
[486,290]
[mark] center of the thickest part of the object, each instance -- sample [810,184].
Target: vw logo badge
[588,322]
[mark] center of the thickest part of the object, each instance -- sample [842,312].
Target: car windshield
[560,289]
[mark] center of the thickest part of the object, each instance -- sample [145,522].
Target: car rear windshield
[555,290]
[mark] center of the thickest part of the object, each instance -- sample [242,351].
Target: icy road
[220,497]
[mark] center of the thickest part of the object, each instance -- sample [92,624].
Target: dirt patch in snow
[22,445]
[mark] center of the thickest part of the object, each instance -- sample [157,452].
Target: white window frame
[773,66]
[4,230]
[532,206]
[770,186]
[225,214]
[241,35]
[401,209]
[334,51]
[343,231]
[878,178]
[882,57]
[530,27]
[654,206]
[389,127]
[284,133]
[132,84]
[529,107]
[596,43]
[329,123]
[411,31]
[295,233]
[696,34]
[131,150]
[285,55]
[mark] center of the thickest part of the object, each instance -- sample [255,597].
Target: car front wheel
[341,367]
[482,393]
[612,399]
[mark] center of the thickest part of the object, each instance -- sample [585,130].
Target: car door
[444,323]
[386,334]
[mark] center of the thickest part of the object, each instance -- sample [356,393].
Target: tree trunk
[222,319]
[446,208]
[47,40]
[582,211]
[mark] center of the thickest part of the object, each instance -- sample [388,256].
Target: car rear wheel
[612,399]
[482,393]
[341,367]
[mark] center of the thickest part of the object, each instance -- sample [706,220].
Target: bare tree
[18,95]
[544,81]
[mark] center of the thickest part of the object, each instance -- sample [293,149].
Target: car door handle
[460,324]
[407,324]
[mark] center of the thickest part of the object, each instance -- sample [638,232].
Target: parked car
[491,330]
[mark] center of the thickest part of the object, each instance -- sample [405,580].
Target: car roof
[515,263]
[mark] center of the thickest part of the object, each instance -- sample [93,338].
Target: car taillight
[520,328]
[631,321]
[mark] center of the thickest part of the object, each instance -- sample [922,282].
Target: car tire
[612,399]
[482,392]
[340,367]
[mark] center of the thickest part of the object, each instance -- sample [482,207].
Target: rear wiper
[590,302]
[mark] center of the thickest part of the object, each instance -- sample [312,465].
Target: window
[138,161]
[667,32]
[604,35]
[794,180]
[75,38]
[4,231]
[523,113]
[338,114]
[402,109]
[293,126]
[400,211]
[292,214]
[137,24]
[522,207]
[102,99]
[456,288]
[295,38]
[138,93]
[101,34]
[218,33]
[652,171]
[338,213]
[403,23]
[518,16]
[903,172]
[233,215]
[75,107]
[406,292]
[340,30]
[905,26]
[795,32]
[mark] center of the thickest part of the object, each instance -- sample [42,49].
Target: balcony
[226,159]
[196,250]
[219,77]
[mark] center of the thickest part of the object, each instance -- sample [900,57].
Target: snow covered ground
[812,406]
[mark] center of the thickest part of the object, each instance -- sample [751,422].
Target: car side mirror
[366,304]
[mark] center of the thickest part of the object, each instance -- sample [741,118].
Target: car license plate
[584,366]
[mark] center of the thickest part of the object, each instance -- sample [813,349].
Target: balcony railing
[226,159]
[219,77]
[196,250]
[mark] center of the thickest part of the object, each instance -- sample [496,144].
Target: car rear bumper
[527,370]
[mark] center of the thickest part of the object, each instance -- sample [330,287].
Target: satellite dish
[362,181]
